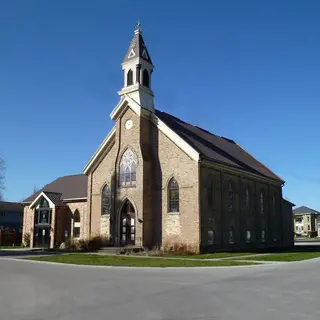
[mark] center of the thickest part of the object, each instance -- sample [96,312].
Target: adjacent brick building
[156,180]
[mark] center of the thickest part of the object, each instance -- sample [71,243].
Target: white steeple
[137,68]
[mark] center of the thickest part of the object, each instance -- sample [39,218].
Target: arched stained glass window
[128,165]
[105,200]
[173,196]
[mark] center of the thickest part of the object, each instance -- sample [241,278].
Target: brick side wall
[182,228]
[218,218]
[82,208]
[28,218]
[63,223]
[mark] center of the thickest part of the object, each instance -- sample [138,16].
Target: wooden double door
[127,224]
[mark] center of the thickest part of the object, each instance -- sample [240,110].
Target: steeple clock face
[128,125]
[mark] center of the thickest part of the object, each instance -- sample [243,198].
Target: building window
[274,204]
[231,236]
[263,236]
[230,197]
[128,165]
[308,218]
[145,78]
[308,227]
[76,224]
[173,196]
[248,236]
[106,200]
[297,228]
[129,78]
[210,195]
[44,204]
[275,238]
[211,237]
[246,198]
[261,203]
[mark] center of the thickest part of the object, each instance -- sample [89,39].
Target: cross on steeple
[138,27]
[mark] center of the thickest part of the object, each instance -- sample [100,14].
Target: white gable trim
[124,102]
[42,194]
[183,145]
[101,148]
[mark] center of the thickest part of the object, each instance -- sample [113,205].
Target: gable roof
[55,197]
[216,148]
[69,187]
[10,207]
[288,202]
[304,209]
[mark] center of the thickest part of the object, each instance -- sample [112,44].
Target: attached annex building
[157,180]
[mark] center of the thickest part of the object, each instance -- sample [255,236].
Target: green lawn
[217,255]
[94,259]
[289,256]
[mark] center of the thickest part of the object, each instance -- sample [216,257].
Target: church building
[156,180]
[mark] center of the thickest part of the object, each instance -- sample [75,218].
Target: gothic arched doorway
[127,224]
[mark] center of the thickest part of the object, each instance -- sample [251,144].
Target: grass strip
[289,256]
[100,260]
[217,255]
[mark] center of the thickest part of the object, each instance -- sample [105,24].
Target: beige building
[305,220]
[156,180]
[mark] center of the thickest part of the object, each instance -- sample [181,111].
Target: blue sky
[247,70]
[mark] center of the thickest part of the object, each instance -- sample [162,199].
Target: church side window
[247,198]
[76,224]
[230,197]
[106,200]
[211,237]
[261,203]
[173,196]
[210,192]
[129,78]
[274,204]
[128,166]
[231,236]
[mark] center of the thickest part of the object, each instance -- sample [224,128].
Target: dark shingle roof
[69,187]
[10,206]
[304,209]
[138,46]
[55,197]
[216,148]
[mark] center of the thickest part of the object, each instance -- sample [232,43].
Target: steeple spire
[137,67]
[137,48]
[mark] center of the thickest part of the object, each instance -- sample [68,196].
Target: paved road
[48,291]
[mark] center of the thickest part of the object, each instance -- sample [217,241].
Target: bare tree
[2,172]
